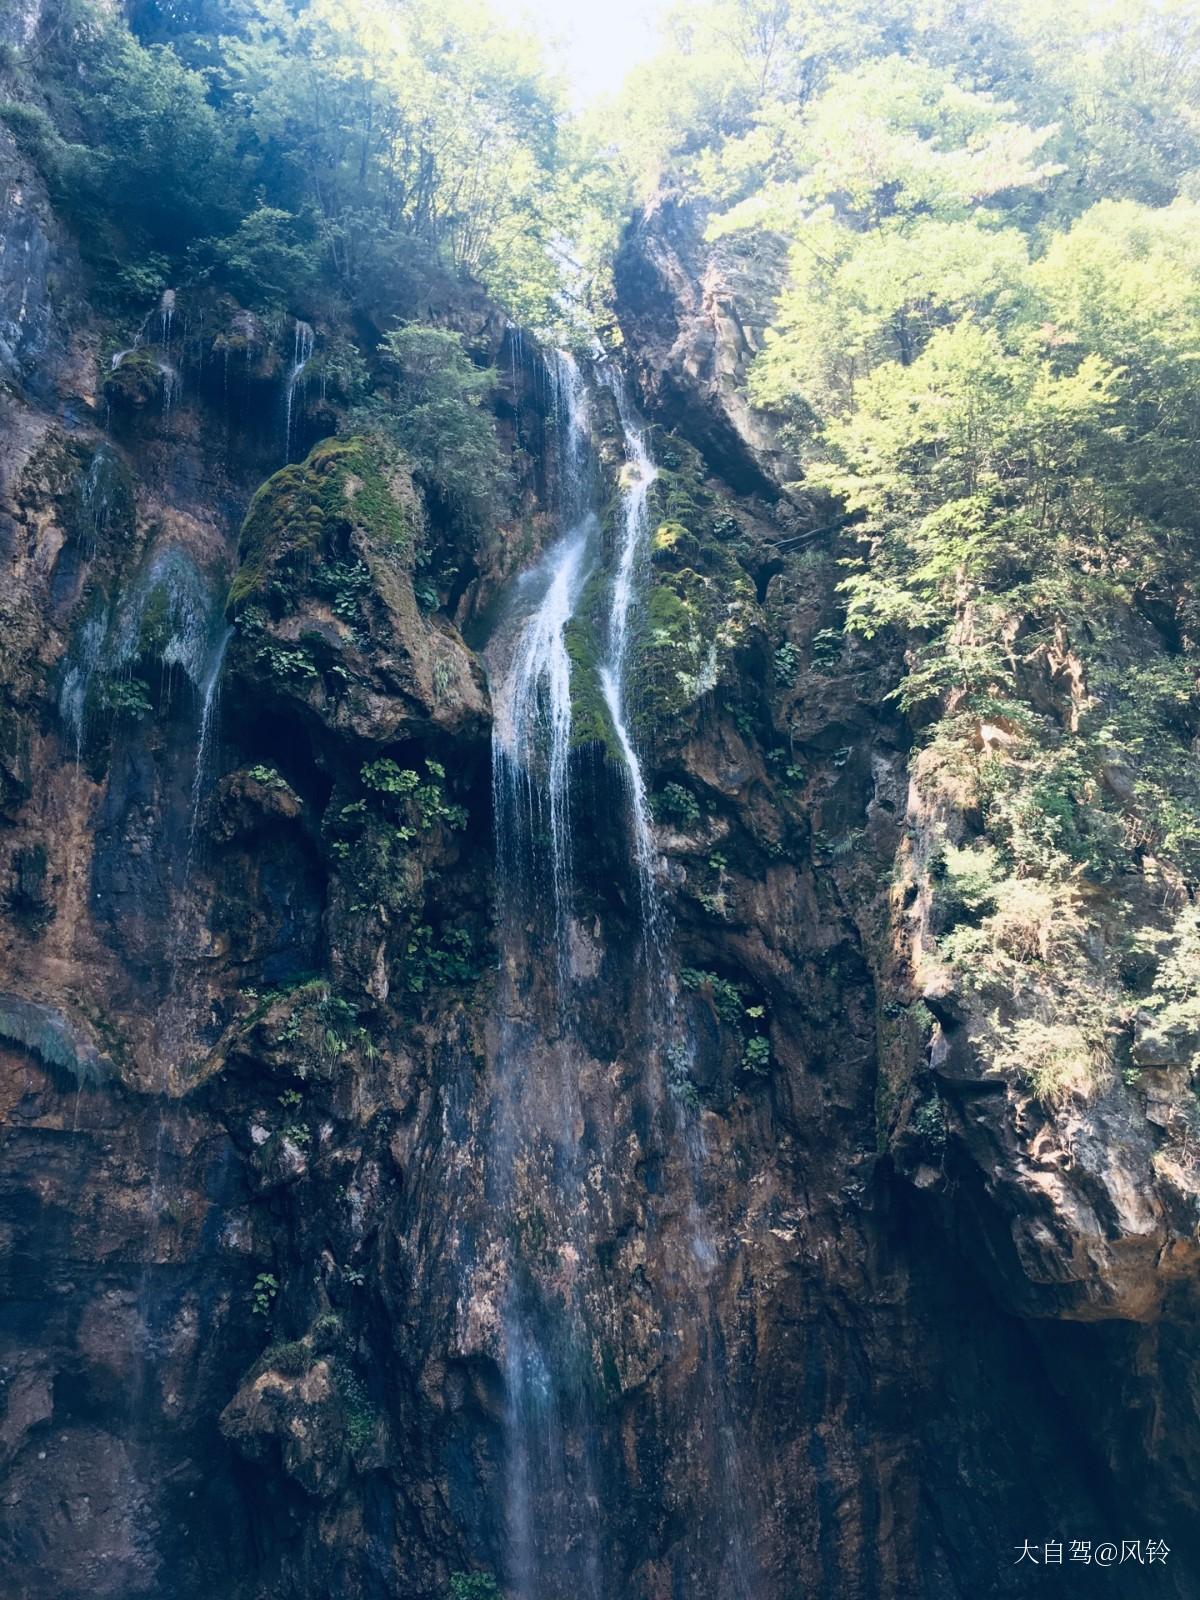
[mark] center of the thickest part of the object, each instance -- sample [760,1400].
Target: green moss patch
[135,383]
[310,511]
[700,605]
[590,719]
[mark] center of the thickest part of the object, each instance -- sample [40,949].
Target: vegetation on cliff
[982,360]
[292,154]
[757,1185]
[985,355]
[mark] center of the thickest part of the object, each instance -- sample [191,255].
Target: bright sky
[597,40]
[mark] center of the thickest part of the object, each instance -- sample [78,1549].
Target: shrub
[435,412]
[262,1296]
[1054,1058]
[270,261]
[127,698]
[677,804]
[786,662]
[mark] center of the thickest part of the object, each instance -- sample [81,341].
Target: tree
[433,408]
[149,163]
[428,122]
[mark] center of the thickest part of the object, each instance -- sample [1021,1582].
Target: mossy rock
[698,607]
[591,722]
[156,622]
[136,383]
[701,603]
[672,543]
[692,623]
[311,510]
[679,493]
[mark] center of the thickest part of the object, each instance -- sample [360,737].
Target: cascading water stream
[532,734]
[637,479]
[533,1156]
[671,1037]
[537,1174]
[531,673]
[210,699]
[302,349]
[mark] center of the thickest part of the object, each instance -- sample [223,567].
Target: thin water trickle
[202,656]
[729,1507]
[77,682]
[210,694]
[171,385]
[98,494]
[516,345]
[637,478]
[207,684]
[302,350]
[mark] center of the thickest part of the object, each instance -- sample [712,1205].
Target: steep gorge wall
[249,1032]
[1066,1230]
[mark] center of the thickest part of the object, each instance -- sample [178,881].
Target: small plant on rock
[262,1296]
[678,805]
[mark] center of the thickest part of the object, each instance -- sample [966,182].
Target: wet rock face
[254,1049]
[186,1105]
[117,1330]
[1070,1226]
[36,262]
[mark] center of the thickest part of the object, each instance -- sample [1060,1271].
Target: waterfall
[670,1034]
[533,1171]
[302,349]
[636,481]
[544,1189]
[530,670]
[532,728]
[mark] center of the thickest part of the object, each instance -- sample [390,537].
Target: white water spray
[533,706]
[637,478]
[530,668]
[302,349]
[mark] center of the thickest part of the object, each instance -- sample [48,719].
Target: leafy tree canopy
[278,147]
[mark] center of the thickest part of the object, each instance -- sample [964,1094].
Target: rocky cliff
[846,1312]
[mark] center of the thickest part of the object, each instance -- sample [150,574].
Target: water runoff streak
[537,1179]
[302,349]
[636,479]
[535,1182]
[729,1509]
